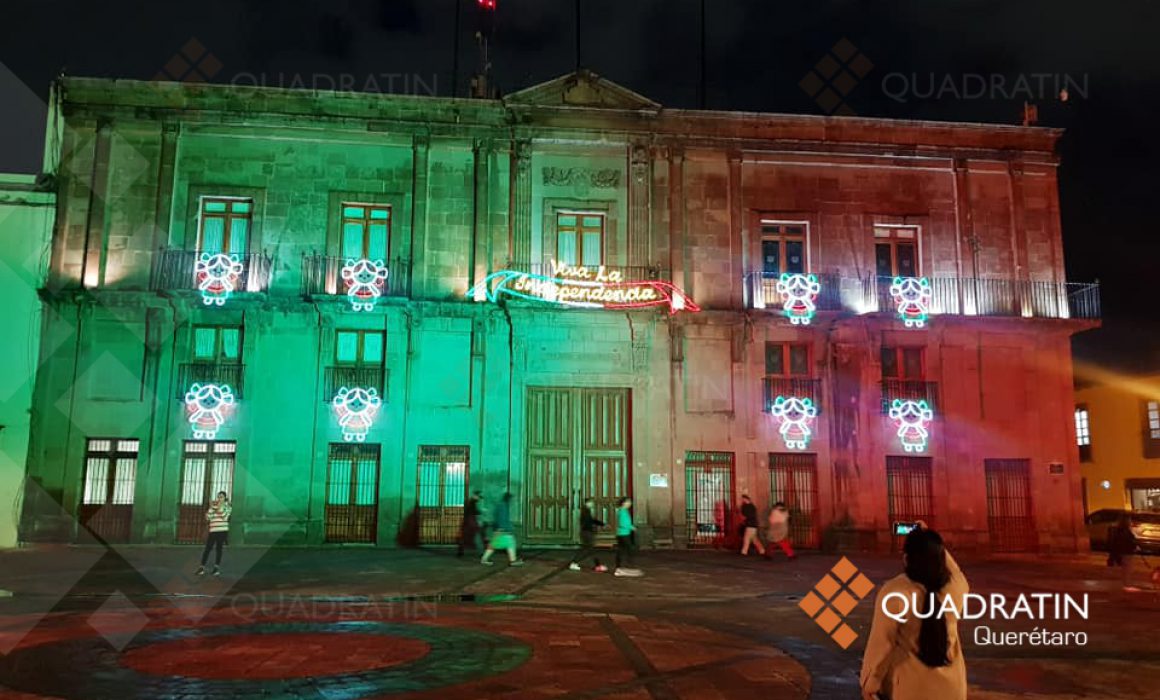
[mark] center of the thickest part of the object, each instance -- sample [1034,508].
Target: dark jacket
[1121,541]
[471,514]
[749,512]
[587,522]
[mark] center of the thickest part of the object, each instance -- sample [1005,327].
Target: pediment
[581,89]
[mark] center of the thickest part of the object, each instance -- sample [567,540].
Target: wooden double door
[579,446]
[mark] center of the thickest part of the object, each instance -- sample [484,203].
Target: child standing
[625,530]
[588,525]
[218,517]
[504,537]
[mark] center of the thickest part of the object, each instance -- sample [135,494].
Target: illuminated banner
[585,287]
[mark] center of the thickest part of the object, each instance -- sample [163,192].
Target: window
[783,247]
[1152,429]
[110,472]
[1083,435]
[366,231]
[787,360]
[359,348]
[903,363]
[580,238]
[217,344]
[896,252]
[224,225]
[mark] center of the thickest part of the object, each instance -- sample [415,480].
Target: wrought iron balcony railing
[324,275]
[909,390]
[352,376]
[956,296]
[764,293]
[970,296]
[227,373]
[800,387]
[216,276]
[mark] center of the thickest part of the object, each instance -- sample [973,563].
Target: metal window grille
[352,493]
[1009,513]
[908,490]
[793,480]
[443,478]
[708,496]
[206,469]
[109,486]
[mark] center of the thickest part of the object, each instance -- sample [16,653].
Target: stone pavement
[362,623]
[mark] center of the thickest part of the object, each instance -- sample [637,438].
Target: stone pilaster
[522,216]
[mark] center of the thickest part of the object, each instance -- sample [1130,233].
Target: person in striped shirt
[218,517]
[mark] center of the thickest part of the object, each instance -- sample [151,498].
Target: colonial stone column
[639,198]
[416,247]
[522,216]
[481,228]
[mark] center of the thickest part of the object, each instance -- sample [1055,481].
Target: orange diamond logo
[844,587]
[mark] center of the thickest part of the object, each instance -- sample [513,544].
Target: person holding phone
[918,659]
[218,518]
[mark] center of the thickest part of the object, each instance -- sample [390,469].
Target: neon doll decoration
[356,410]
[217,277]
[912,418]
[207,406]
[799,294]
[364,282]
[796,416]
[912,297]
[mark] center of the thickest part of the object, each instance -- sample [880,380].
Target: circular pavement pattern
[89,669]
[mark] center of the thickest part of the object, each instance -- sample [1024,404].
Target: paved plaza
[135,622]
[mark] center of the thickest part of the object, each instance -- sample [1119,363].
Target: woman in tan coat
[918,659]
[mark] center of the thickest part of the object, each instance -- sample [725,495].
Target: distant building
[27,211]
[1117,429]
[349,310]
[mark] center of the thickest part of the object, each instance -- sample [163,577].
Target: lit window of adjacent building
[224,225]
[1152,429]
[580,238]
[783,247]
[903,363]
[896,251]
[1083,433]
[787,360]
[366,231]
[359,348]
[110,472]
[217,343]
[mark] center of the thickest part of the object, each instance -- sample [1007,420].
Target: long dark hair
[926,565]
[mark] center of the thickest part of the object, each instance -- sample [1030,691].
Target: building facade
[1117,430]
[26,216]
[349,311]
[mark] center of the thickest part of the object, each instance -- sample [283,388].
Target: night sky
[930,60]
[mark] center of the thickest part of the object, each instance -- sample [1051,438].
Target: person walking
[779,529]
[625,539]
[749,518]
[1121,546]
[921,657]
[470,529]
[503,534]
[218,517]
[588,526]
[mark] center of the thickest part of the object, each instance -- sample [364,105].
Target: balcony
[762,288]
[216,277]
[327,276]
[227,373]
[908,390]
[801,387]
[350,376]
[968,296]
[950,296]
